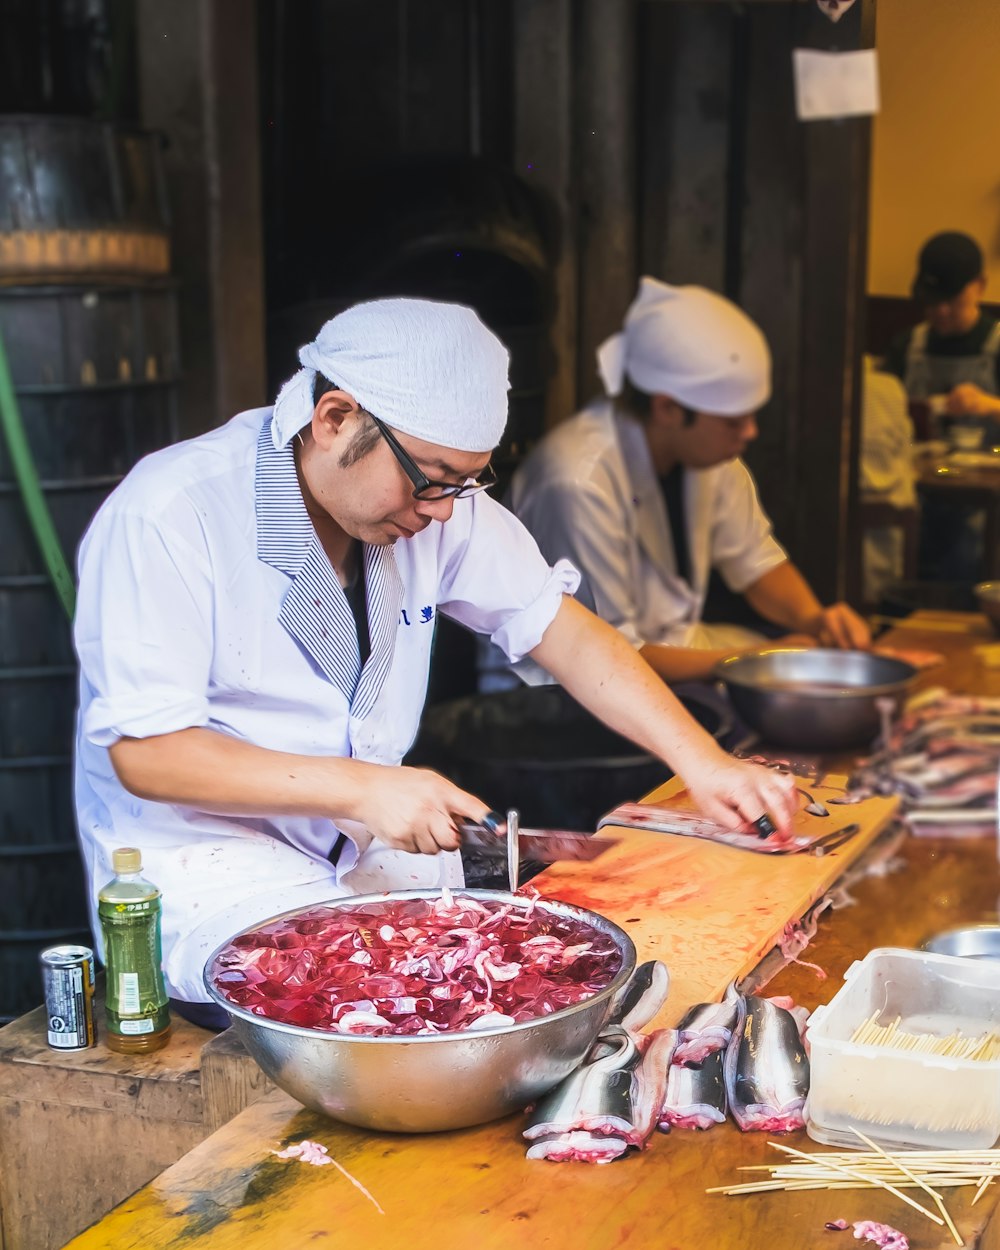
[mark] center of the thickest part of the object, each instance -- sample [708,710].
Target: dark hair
[368,433]
[321,386]
[640,404]
[637,402]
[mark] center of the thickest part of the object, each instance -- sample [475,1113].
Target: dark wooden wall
[663,133]
[348,86]
[197,62]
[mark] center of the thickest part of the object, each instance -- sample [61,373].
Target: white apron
[206,600]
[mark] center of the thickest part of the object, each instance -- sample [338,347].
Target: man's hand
[968,400]
[733,792]
[414,809]
[840,626]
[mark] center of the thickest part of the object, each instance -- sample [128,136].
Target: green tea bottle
[138,1020]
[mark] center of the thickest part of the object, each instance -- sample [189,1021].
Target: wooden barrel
[94,370]
[80,198]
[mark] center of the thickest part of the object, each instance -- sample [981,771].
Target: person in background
[952,359]
[645,491]
[254,629]
[885,474]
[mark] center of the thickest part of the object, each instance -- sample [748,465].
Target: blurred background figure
[951,363]
[886,479]
[952,359]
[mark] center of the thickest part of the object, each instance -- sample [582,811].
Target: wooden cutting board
[710,912]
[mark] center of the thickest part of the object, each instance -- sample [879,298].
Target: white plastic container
[895,1097]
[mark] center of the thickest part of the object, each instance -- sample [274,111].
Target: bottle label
[128,993]
[131,1028]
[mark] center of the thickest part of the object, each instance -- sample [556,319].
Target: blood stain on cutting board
[710,912]
[654,896]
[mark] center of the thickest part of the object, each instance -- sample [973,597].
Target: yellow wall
[936,158]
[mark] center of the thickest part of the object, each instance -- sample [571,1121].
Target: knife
[545,846]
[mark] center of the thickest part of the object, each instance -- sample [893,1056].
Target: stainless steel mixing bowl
[424,1084]
[976,941]
[988,598]
[813,699]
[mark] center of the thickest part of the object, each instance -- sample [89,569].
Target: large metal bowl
[976,941]
[988,598]
[424,1084]
[814,699]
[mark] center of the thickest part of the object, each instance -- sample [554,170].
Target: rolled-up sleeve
[495,580]
[143,630]
[743,546]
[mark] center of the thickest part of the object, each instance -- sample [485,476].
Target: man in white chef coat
[645,492]
[254,628]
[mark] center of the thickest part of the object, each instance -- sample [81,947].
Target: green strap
[31,492]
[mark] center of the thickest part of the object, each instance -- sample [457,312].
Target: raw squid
[766,1068]
[649,1089]
[577,1147]
[410,966]
[595,1099]
[611,1102]
[696,1097]
[941,756]
[693,825]
[644,994]
[705,1029]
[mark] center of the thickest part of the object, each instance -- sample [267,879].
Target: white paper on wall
[835,84]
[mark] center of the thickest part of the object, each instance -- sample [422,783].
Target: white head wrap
[692,345]
[426,369]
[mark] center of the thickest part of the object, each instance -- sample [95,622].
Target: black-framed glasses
[423,487]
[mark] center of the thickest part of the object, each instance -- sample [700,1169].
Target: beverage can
[68,980]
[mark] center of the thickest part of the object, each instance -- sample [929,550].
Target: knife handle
[492,821]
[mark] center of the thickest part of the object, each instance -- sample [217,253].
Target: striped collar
[284,531]
[314,609]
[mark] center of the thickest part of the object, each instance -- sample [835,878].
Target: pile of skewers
[925,1170]
[985,1048]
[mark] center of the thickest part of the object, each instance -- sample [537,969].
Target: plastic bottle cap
[126,859]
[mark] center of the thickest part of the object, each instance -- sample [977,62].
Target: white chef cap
[426,369]
[692,345]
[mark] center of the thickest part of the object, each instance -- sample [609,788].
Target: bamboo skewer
[839,1167]
[985,1048]
[928,1170]
[923,1185]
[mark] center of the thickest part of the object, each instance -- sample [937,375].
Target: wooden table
[81,1130]
[476,1188]
[976,487]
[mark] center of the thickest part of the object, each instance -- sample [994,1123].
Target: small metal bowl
[977,941]
[813,698]
[988,599]
[428,1082]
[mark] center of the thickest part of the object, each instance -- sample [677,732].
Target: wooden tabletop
[977,488]
[946,474]
[475,1187]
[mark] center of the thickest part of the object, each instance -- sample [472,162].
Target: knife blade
[544,846]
